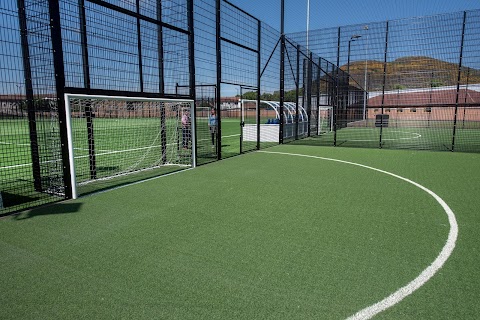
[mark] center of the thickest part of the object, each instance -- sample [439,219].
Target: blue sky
[334,13]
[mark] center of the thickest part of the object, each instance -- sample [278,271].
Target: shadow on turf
[59,208]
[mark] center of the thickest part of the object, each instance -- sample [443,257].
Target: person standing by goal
[212,125]
[186,130]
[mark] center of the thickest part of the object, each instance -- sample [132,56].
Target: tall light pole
[365,88]
[308,19]
[352,38]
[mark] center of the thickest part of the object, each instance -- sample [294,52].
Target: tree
[251,95]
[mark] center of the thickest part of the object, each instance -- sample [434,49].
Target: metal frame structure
[85,47]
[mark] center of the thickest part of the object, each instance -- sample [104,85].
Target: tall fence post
[161,65]
[297,91]
[56,38]
[27,73]
[259,70]
[219,79]
[318,96]
[335,104]
[86,83]
[139,46]
[309,92]
[459,78]
[191,71]
[282,71]
[161,82]
[383,82]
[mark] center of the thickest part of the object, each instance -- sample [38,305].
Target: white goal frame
[71,153]
[330,122]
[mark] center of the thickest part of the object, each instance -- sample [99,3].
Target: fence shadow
[55,209]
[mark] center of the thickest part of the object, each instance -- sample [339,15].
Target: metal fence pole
[297,91]
[86,83]
[383,82]
[219,78]
[309,92]
[282,70]
[139,46]
[318,96]
[27,73]
[161,66]
[161,82]
[335,104]
[259,70]
[458,80]
[191,71]
[56,37]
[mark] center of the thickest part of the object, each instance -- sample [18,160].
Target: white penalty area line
[425,275]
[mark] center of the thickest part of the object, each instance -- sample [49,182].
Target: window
[428,109]
[399,110]
[413,109]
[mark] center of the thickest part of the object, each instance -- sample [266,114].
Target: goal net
[111,138]
[325,119]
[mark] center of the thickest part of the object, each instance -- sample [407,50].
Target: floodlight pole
[308,20]
[352,38]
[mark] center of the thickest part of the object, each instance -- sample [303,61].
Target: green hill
[411,72]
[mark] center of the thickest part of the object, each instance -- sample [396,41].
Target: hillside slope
[411,72]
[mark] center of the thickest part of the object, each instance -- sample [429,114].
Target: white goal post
[325,119]
[112,136]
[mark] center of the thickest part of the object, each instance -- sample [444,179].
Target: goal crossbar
[112,136]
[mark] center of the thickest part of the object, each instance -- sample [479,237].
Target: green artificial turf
[414,138]
[260,236]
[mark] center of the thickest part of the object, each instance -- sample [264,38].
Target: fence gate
[249,132]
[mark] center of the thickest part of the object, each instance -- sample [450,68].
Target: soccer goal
[325,119]
[111,137]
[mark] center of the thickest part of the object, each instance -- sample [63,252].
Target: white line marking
[83,149]
[120,151]
[105,152]
[108,152]
[426,274]
[13,143]
[86,156]
[232,135]
[134,183]
[416,136]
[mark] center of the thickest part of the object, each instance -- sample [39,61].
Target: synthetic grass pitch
[260,236]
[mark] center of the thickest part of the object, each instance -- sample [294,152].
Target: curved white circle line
[415,136]
[426,274]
